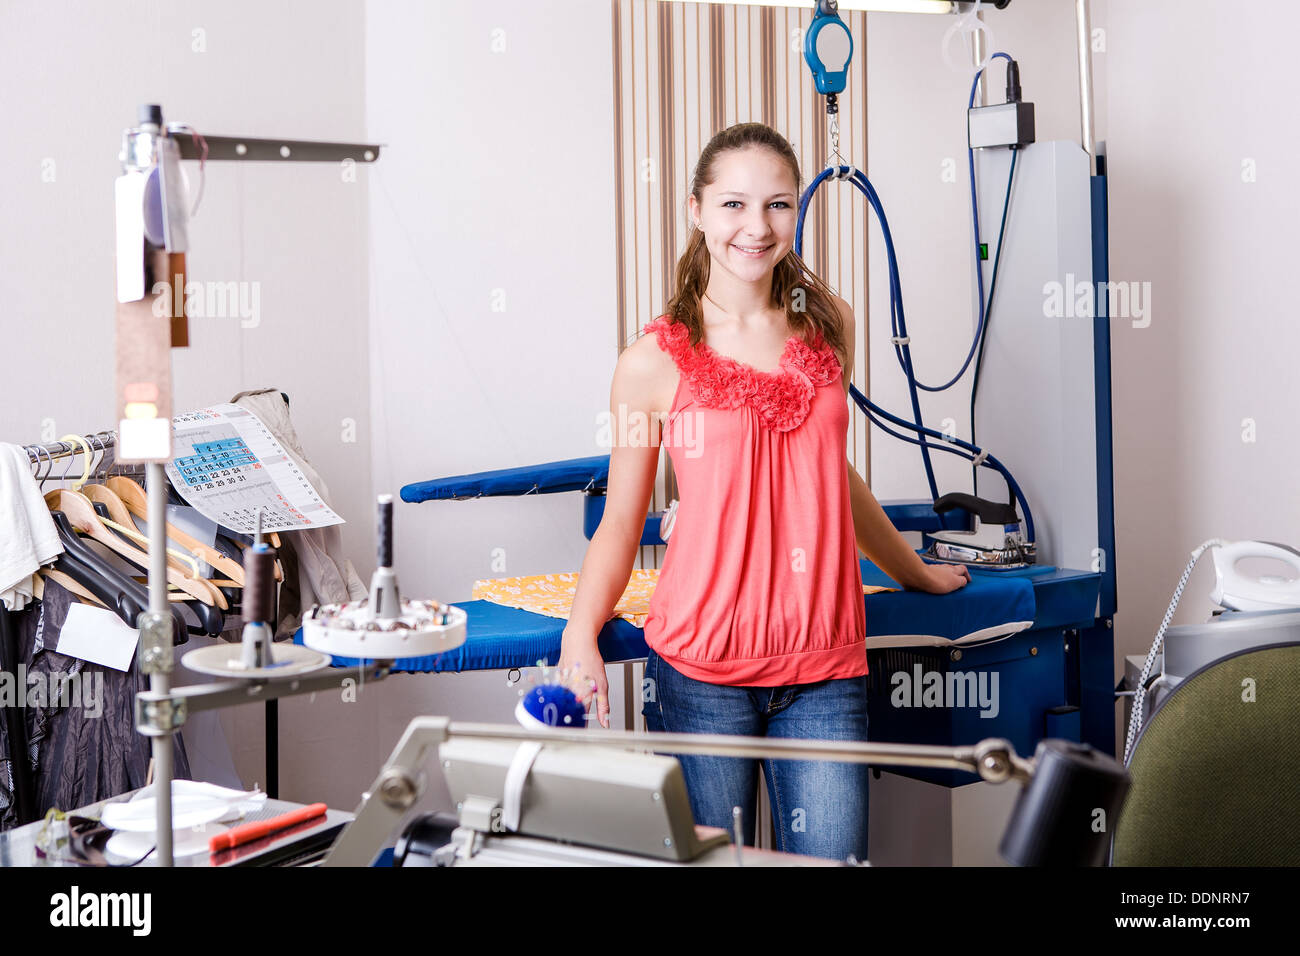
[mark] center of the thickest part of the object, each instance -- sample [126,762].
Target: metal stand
[1083,23]
[147,149]
[159,654]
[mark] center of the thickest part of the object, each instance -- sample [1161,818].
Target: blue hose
[964,449]
[903,351]
[897,320]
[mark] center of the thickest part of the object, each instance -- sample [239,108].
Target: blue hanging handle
[827,49]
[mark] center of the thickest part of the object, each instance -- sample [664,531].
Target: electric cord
[1139,698]
[988,311]
[975,218]
[898,321]
[953,446]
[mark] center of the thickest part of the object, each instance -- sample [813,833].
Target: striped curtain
[682,72]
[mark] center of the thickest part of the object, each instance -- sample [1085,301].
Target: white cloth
[325,576]
[28,538]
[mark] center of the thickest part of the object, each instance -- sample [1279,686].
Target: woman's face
[748,212]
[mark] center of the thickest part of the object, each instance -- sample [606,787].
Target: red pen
[259,828]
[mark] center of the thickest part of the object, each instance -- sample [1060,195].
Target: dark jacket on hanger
[82,742]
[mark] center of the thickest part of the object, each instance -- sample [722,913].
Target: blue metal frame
[1101,388]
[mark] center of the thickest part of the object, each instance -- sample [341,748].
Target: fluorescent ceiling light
[871,6]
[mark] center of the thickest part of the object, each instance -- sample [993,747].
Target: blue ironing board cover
[575,474]
[994,604]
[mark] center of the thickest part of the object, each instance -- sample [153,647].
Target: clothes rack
[12,714]
[102,442]
[43,456]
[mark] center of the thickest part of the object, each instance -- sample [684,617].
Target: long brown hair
[818,316]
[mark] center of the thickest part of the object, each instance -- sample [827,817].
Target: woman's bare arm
[612,552]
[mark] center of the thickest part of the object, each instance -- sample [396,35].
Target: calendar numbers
[230,466]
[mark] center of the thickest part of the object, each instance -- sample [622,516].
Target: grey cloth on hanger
[324,575]
[28,539]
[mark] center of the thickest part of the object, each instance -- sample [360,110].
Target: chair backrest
[1216,769]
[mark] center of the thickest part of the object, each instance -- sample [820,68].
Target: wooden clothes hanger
[136,502]
[81,513]
[38,589]
[120,520]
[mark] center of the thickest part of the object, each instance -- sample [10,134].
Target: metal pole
[977,58]
[273,749]
[1084,23]
[969,759]
[160,678]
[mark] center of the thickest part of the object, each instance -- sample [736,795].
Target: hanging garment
[80,717]
[15,775]
[324,575]
[28,538]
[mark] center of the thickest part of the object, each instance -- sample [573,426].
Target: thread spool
[385,531]
[259,578]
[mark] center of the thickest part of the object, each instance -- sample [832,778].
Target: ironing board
[993,605]
[1026,626]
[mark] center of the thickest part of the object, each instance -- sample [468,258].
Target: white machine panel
[1036,411]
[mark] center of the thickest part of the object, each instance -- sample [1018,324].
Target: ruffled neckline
[782,398]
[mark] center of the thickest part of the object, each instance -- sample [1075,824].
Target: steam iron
[997,542]
[1237,590]
[1256,609]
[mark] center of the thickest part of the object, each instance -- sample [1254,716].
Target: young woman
[757,624]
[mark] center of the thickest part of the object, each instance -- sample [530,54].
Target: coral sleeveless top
[761,584]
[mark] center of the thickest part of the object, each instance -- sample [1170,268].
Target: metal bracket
[481,813]
[158,716]
[156,654]
[398,789]
[249,149]
[997,762]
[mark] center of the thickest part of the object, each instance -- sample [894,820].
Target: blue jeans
[818,808]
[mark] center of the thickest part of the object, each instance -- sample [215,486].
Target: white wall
[1196,91]
[493,288]
[917,133]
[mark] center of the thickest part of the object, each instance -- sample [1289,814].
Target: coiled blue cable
[902,349]
[963,449]
[897,321]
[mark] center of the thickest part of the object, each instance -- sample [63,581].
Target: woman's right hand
[583,656]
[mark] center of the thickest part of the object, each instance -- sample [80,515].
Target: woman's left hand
[943,578]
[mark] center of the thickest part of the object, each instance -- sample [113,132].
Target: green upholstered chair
[1216,769]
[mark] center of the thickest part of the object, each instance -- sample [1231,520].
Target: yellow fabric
[552,594]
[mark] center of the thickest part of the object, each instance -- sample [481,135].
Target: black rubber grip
[386,531]
[989,512]
[259,584]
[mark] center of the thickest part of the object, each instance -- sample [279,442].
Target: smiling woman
[757,624]
[743,207]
